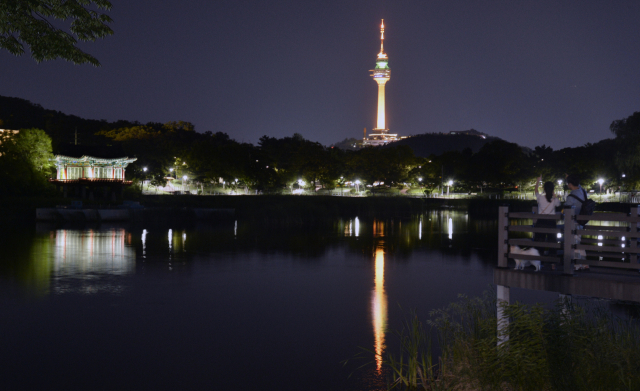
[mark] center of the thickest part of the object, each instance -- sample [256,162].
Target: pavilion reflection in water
[82,257]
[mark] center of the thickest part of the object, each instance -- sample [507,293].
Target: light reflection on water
[81,257]
[379,310]
[233,275]
[352,227]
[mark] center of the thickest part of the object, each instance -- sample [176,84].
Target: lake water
[233,306]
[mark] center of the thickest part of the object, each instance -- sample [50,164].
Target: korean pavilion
[91,173]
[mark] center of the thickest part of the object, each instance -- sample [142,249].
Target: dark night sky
[532,72]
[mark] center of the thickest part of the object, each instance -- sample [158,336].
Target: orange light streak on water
[379,309]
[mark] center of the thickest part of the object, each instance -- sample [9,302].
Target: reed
[566,347]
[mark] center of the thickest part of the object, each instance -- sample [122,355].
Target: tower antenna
[382,37]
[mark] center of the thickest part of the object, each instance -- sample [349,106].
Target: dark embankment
[307,210]
[301,209]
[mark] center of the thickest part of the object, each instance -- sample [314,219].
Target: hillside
[16,113]
[437,143]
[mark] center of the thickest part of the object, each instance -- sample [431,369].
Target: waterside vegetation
[567,347]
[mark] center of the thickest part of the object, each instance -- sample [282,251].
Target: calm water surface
[236,306]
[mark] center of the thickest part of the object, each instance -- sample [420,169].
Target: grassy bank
[565,348]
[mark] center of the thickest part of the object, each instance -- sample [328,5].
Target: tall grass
[567,347]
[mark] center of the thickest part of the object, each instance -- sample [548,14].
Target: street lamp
[600,181]
[449,184]
[183,178]
[357,185]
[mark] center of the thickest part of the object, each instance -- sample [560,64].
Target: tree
[155,145]
[29,22]
[500,162]
[627,158]
[26,161]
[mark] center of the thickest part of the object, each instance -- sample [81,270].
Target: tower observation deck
[381,74]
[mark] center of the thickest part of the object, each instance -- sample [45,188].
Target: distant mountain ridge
[427,144]
[18,113]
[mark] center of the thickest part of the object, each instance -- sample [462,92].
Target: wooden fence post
[502,293]
[569,240]
[633,242]
[503,223]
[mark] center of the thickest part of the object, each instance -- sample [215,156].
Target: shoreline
[300,209]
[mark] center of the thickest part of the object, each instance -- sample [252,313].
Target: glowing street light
[300,182]
[144,169]
[183,178]
[357,185]
[448,185]
[600,181]
[420,179]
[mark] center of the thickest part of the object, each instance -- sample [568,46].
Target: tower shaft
[381,75]
[381,125]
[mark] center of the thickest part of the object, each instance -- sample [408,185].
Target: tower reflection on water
[379,311]
[379,308]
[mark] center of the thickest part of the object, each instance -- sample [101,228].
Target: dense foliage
[35,24]
[25,162]
[177,150]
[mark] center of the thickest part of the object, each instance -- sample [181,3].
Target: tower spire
[381,54]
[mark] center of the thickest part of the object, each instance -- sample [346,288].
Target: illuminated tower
[381,75]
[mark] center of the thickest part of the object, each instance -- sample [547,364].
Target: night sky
[532,72]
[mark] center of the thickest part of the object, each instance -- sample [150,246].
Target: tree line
[175,149]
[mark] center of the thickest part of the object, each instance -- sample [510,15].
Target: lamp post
[449,184]
[600,181]
[144,169]
[183,178]
[358,186]
[560,186]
